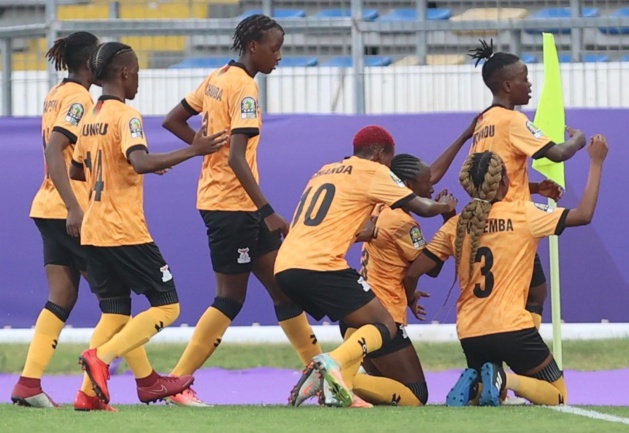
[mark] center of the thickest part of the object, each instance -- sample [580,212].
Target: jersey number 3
[479,290]
[324,194]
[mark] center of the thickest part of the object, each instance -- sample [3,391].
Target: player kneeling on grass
[494,242]
[121,255]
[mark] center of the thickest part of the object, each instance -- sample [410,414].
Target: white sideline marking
[589,414]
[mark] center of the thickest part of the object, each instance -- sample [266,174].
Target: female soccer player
[514,137]
[494,241]
[121,255]
[242,228]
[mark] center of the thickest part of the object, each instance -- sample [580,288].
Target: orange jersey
[493,300]
[398,240]
[228,99]
[514,138]
[64,108]
[115,214]
[335,206]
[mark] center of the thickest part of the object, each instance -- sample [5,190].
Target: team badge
[397,180]
[365,285]
[543,207]
[248,108]
[417,238]
[243,256]
[166,275]
[75,114]
[135,127]
[537,133]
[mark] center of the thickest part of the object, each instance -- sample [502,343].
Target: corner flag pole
[551,118]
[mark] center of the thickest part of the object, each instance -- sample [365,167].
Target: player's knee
[60,311]
[386,332]
[65,299]
[420,389]
[118,305]
[287,311]
[229,307]
[171,313]
[552,374]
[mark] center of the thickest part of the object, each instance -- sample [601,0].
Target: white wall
[408,89]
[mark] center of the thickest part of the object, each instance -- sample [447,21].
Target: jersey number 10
[313,218]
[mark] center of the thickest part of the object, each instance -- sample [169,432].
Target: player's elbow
[77,173]
[557,154]
[169,123]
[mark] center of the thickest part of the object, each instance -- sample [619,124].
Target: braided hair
[495,62]
[406,166]
[480,177]
[72,52]
[103,63]
[252,29]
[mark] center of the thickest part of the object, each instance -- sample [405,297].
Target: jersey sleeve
[243,109]
[387,188]
[441,247]
[131,133]
[545,221]
[410,240]
[71,113]
[528,138]
[193,102]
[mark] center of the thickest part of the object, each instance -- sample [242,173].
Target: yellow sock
[108,326]
[47,330]
[537,319]
[384,391]
[366,339]
[206,337]
[138,362]
[352,368]
[538,391]
[301,337]
[138,331]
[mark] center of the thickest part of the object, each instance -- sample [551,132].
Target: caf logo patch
[543,207]
[135,127]
[248,108]
[75,114]
[417,237]
[537,133]
[397,180]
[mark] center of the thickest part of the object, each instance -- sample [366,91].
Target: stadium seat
[277,13]
[347,61]
[26,61]
[624,59]
[487,14]
[298,61]
[585,58]
[83,12]
[202,62]
[528,58]
[563,12]
[622,12]
[410,14]
[368,14]
[433,60]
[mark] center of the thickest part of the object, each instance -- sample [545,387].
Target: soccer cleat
[86,403]
[188,397]
[97,371]
[514,401]
[326,396]
[27,396]
[330,371]
[464,390]
[308,386]
[493,379]
[164,386]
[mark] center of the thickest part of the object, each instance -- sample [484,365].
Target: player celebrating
[121,253]
[242,227]
[514,137]
[493,241]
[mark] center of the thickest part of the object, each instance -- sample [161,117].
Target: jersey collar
[109,97]
[71,80]
[494,106]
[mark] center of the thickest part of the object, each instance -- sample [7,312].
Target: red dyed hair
[373,135]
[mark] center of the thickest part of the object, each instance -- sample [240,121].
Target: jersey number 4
[486,254]
[323,197]
[99,185]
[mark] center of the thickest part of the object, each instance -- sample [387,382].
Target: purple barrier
[593,259]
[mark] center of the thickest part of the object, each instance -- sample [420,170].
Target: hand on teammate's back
[205,145]
[469,131]
[450,200]
[598,148]
[578,135]
[275,223]
[417,309]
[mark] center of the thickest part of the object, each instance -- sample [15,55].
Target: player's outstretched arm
[567,149]
[427,208]
[439,168]
[144,162]
[584,212]
[421,265]
[176,121]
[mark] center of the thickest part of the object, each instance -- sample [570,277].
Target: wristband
[266,211]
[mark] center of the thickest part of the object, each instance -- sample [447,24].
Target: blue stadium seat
[410,14]
[368,14]
[622,12]
[277,13]
[202,62]
[299,61]
[528,58]
[563,12]
[624,59]
[347,61]
[586,58]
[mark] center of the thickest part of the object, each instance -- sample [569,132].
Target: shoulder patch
[75,114]
[417,237]
[544,207]
[248,108]
[537,133]
[397,180]
[135,128]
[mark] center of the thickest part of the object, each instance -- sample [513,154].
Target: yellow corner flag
[550,116]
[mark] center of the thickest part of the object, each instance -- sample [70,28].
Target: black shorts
[335,294]
[236,239]
[538,273]
[59,247]
[116,271]
[522,350]
[400,341]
